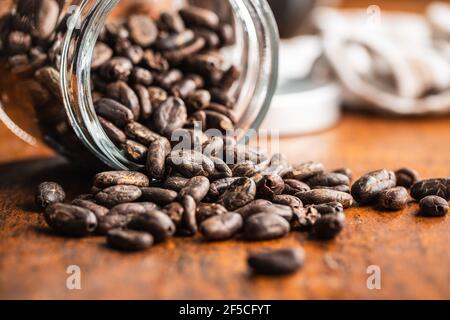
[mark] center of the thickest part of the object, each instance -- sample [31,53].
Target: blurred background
[388,58]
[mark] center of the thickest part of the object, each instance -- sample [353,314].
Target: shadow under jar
[50,89]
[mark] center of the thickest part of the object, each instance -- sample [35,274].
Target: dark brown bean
[189,222]
[190,163]
[102,54]
[345,171]
[143,30]
[116,135]
[45,16]
[220,186]
[158,150]
[199,17]
[169,116]
[221,227]
[220,96]
[183,88]
[175,212]
[175,183]
[394,199]
[265,226]
[434,206]
[208,210]
[114,111]
[211,38]
[328,226]
[197,188]
[288,200]
[70,220]
[329,208]
[270,186]
[245,169]
[141,76]
[132,209]
[175,40]
[155,222]
[229,77]
[320,196]
[48,193]
[155,61]
[172,21]
[140,133]
[221,169]
[431,187]
[136,151]
[284,211]
[168,79]
[177,55]
[328,180]
[115,195]
[306,170]
[226,33]
[292,186]
[341,188]
[367,188]
[18,42]
[304,218]
[122,93]
[113,178]
[96,209]
[49,78]
[276,262]
[117,68]
[125,48]
[158,195]
[240,193]
[128,240]
[145,104]
[198,100]
[406,177]
[278,165]
[254,207]
[111,222]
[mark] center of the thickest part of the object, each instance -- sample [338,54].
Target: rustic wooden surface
[411,251]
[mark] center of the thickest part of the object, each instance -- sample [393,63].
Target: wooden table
[411,251]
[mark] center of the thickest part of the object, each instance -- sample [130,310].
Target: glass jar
[66,119]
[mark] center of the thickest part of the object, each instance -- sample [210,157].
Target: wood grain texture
[411,251]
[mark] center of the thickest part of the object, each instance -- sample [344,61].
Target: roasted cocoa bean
[155,222]
[115,195]
[70,220]
[320,196]
[394,198]
[276,262]
[265,226]
[434,206]
[114,178]
[367,188]
[48,193]
[431,187]
[128,240]
[159,196]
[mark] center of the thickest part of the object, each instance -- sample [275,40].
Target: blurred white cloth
[389,61]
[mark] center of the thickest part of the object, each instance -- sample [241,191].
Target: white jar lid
[302,105]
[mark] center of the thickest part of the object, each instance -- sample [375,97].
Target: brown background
[411,251]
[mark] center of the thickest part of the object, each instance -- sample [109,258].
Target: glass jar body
[47,49]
